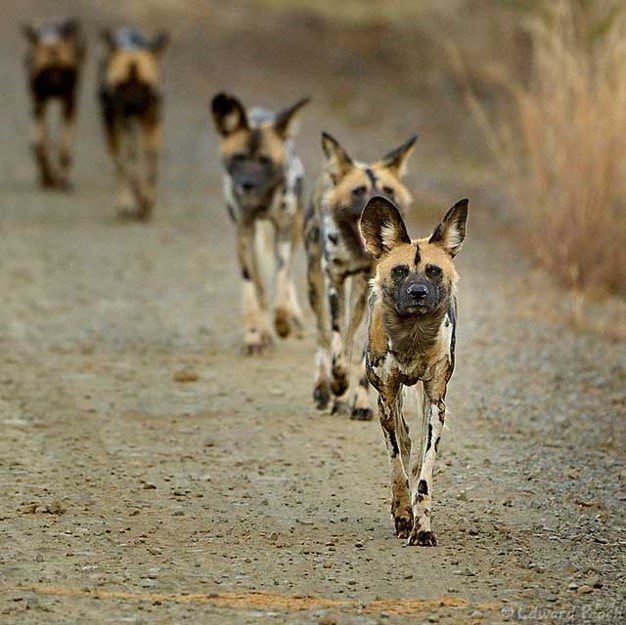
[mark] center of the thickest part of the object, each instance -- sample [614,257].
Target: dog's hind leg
[257,336]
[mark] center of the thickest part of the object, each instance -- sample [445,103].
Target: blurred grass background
[520,103]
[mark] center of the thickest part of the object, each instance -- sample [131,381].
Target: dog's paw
[403,524]
[321,395]
[282,323]
[257,342]
[340,407]
[339,383]
[144,210]
[422,538]
[63,183]
[362,413]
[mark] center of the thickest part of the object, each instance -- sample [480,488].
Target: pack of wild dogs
[360,256]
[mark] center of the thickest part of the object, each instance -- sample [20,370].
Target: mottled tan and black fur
[337,262]
[411,341]
[131,101]
[53,63]
[263,180]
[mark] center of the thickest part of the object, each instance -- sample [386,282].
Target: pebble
[584,590]
[274,536]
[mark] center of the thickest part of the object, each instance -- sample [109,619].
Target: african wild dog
[335,252]
[262,182]
[131,100]
[54,63]
[411,340]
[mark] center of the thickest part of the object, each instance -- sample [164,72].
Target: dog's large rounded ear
[159,43]
[396,159]
[71,27]
[338,163]
[228,113]
[382,226]
[30,32]
[450,233]
[286,124]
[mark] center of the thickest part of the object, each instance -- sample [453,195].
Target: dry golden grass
[561,147]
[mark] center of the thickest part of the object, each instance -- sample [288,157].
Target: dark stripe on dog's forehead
[372,176]
[417,255]
[254,140]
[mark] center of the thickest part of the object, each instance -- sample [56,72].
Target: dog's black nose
[246,186]
[417,291]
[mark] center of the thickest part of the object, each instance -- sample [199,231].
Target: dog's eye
[359,191]
[265,160]
[239,157]
[388,191]
[434,272]
[399,272]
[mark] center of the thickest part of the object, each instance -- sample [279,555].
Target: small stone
[476,614]
[433,618]
[274,536]
[327,620]
[56,507]
[186,376]
[584,590]
[473,532]
[39,558]
[148,486]
[358,545]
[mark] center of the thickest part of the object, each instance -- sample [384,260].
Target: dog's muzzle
[417,298]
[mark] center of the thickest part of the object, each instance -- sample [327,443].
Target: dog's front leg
[257,336]
[40,145]
[66,140]
[151,141]
[422,487]
[335,289]
[288,315]
[361,409]
[389,409]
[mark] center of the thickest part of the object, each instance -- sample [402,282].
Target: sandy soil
[150,474]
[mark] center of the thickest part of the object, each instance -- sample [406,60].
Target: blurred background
[517,102]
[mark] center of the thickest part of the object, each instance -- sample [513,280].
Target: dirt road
[130,497]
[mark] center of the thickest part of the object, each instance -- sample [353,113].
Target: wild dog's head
[132,61]
[254,146]
[413,278]
[55,46]
[354,183]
